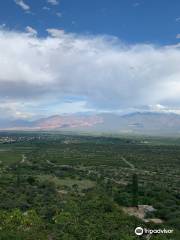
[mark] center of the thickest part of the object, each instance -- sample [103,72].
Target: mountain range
[148,123]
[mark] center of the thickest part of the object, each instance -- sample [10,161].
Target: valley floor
[55,186]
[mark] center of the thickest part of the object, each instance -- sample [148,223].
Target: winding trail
[128,163]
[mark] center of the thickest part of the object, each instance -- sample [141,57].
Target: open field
[78,186]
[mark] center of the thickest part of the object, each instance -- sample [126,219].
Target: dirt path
[128,163]
[23,158]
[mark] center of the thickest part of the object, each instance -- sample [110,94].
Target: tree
[135,190]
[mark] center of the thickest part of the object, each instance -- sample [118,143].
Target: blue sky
[132,21]
[69,56]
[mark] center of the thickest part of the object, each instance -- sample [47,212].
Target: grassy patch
[8,157]
[69,182]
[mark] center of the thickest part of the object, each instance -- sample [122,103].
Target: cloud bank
[101,71]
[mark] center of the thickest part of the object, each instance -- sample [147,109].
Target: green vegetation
[135,190]
[56,186]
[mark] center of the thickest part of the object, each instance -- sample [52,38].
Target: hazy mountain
[135,123]
[54,122]
[68,121]
[149,123]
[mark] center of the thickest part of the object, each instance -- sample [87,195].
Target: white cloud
[56,33]
[14,109]
[31,31]
[136,4]
[2,26]
[53,2]
[22,4]
[101,71]
[58,14]
[178,36]
[162,109]
[46,8]
[177,19]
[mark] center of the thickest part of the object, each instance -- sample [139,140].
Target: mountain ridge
[135,123]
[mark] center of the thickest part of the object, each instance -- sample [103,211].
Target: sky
[71,56]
